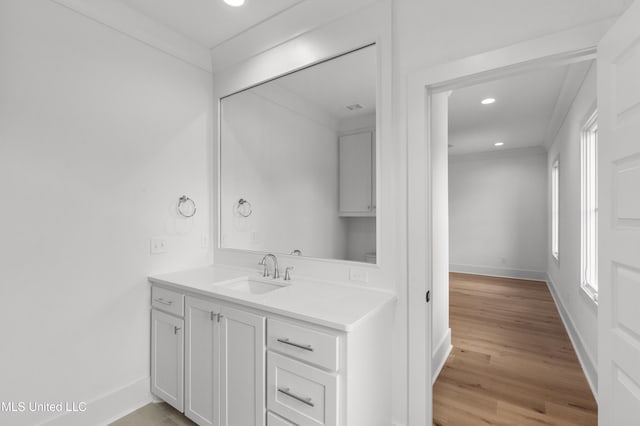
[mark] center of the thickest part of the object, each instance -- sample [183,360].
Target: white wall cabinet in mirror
[357,174]
[283,149]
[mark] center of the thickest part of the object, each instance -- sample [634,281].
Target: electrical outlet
[158,245]
[256,238]
[360,275]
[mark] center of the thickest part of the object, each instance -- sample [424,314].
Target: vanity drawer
[303,343]
[273,420]
[304,394]
[167,300]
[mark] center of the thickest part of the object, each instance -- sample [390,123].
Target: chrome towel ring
[243,208]
[186,206]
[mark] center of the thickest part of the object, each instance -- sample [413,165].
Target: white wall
[498,213]
[99,136]
[579,312]
[286,164]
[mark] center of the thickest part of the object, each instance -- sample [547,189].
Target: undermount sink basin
[252,286]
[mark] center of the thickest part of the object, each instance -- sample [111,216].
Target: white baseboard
[109,407]
[499,272]
[440,354]
[586,361]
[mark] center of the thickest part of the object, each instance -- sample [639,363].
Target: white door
[242,366]
[167,356]
[619,223]
[201,318]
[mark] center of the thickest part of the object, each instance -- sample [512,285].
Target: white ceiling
[209,22]
[332,85]
[520,117]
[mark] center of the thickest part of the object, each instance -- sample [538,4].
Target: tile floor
[154,414]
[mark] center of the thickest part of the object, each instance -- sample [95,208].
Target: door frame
[567,46]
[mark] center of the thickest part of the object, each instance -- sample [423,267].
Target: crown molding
[573,80]
[496,154]
[138,26]
[285,26]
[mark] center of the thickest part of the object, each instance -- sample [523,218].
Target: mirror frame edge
[330,45]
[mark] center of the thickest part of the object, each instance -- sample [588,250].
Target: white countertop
[333,305]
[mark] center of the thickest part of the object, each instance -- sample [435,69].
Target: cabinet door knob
[176,329]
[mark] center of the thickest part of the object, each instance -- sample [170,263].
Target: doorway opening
[425,207]
[498,341]
[506,343]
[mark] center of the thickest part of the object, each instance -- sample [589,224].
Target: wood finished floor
[154,414]
[512,362]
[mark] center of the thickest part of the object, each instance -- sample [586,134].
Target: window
[555,186]
[589,201]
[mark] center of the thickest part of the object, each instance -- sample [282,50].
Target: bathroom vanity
[232,348]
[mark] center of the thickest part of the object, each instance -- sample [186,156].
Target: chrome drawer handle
[164,302]
[302,399]
[297,345]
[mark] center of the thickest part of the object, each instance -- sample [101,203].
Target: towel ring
[186,206]
[243,208]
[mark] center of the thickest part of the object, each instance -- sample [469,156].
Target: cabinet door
[167,358]
[201,318]
[242,366]
[356,173]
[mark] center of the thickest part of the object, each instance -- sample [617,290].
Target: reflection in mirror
[297,162]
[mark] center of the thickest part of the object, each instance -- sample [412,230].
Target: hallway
[512,362]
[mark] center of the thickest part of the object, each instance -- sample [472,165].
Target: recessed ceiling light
[234,3]
[498,144]
[487,101]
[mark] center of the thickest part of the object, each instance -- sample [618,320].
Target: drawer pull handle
[302,399]
[164,302]
[297,345]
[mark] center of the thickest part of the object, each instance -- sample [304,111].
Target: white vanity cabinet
[322,377]
[291,359]
[209,364]
[357,174]
[167,348]
[224,368]
[201,343]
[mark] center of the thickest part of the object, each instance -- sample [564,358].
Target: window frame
[555,209]
[589,206]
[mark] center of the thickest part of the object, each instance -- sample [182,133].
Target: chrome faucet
[276,273]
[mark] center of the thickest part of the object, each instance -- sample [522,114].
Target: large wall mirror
[298,162]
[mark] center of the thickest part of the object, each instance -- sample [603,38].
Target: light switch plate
[357,274]
[158,245]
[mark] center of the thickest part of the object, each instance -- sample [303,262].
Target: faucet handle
[265,271]
[287,274]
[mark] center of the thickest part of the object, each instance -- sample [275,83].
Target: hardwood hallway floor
[512,362]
